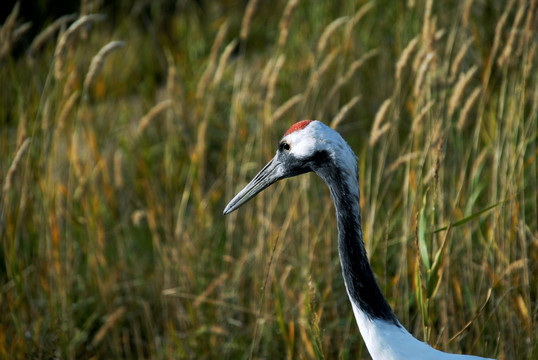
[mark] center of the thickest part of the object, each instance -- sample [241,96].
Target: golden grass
[112,238]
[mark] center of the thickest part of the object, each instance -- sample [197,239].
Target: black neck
[358,276]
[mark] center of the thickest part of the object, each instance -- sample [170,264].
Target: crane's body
[312,146]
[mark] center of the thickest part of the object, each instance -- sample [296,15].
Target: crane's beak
[271,173]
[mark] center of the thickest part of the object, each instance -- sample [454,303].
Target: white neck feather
[387,341]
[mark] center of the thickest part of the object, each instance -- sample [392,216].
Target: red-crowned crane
[312,146]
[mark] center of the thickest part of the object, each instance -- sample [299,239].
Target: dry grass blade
[223,61]
[402,160]
[71,83]
[318,73]
[428,27]
[439,34]
[9,24]
[18,32]
[404,58]
[271,87]
[530,27]
[152,114]
[14,164]
[467,107]
[11,38]
[327,61]
[282,109]
[348,76]
[343,111]
[497,40]
[66,109]
[358,63]
[285,22]
[529,60]
[210,288]
[508,49]
[421,73]
[329,30]
[478,162]
[7,31]
[176,292]
[97,63]
[118,172]
[49,32]
[67,38]
[247,19]
[467,12]
[459,58]
[458,89]
[417,120]
[109,324]
[488,295]
[212,63]
[377,128]
[500,26]
[363,10]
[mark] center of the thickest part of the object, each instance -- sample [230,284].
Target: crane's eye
[284,146]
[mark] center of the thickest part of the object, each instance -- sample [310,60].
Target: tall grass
[122,141]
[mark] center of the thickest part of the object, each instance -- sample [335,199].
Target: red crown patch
[297,126]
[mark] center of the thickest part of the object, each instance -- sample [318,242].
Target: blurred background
[127,126]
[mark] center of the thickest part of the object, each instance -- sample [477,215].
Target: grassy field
[123,136]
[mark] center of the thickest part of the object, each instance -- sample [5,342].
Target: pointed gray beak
[271,173]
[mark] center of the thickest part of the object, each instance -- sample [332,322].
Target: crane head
[306,146]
